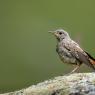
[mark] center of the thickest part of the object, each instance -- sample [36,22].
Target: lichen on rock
[74,84]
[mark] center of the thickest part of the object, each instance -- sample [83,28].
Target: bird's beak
[52,32]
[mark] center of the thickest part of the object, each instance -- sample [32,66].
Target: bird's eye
[60,33]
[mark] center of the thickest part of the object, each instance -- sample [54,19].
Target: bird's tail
[91,59]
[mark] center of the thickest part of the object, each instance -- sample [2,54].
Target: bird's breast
[65,55]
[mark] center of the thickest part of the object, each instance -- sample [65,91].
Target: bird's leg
[75,69]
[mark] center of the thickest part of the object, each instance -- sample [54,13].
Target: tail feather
[91,59]
[84,58]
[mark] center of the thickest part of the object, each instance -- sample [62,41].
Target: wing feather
[79,54]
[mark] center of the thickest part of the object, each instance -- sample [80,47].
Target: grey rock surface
[74,84]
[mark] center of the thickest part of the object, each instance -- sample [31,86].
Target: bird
[70,52]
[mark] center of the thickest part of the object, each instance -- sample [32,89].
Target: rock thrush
[70,52]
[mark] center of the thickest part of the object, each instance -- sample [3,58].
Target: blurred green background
[27,50]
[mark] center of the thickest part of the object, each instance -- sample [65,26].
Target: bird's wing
[79,54]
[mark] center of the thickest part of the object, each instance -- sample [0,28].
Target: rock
[74,84]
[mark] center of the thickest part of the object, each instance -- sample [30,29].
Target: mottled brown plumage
[70,52]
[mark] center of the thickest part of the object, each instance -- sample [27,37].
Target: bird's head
[60,34]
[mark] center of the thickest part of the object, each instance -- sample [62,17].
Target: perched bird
[70,52]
